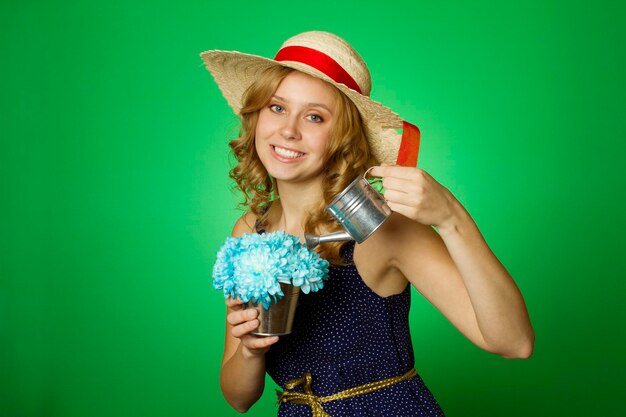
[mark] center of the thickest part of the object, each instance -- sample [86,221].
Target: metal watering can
[360,209]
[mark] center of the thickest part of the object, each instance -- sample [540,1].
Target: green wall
[115,195]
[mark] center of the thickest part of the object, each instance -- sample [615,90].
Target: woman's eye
[315,118]
[276,108]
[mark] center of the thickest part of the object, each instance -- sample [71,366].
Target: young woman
[308,129]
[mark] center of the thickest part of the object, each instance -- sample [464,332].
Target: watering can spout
[313,240]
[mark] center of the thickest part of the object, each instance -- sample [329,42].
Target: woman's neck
[295,203]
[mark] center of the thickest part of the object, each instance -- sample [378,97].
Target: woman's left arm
[460,274]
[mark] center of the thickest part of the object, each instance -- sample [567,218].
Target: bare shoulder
[416,247]
[401,250]
[381,259]
[399,234]
[245,224]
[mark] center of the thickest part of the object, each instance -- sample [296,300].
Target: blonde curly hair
[348,155]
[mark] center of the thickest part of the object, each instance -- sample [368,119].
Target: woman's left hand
[413,193]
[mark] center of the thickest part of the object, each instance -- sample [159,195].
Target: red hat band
[320,61]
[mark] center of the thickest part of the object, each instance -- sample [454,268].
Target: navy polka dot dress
[346,335]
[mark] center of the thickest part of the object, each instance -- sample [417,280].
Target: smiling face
[293,130]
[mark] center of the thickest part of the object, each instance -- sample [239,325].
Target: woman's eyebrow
[324,106]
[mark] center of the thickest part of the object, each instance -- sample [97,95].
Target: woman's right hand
[243,322]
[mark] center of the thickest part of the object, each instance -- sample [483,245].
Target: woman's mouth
[286,153]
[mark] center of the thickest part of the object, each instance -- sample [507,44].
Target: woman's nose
[290,129]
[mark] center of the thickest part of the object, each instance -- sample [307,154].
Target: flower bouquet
[260,268]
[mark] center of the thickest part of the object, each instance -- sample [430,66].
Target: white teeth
[286,153]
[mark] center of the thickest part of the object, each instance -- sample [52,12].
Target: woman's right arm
[242,377]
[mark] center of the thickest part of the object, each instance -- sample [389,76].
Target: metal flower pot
[277,320]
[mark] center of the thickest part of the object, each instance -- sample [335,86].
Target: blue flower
[253,266]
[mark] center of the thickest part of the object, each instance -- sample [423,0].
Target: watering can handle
[377,180]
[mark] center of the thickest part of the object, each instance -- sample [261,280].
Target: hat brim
[235,71]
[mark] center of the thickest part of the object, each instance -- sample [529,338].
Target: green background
[115,195]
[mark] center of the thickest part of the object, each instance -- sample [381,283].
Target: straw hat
[326,56]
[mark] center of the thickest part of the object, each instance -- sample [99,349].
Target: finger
[245,328]
[400,197]
[379,171]
[411,173]
[231,303]
[398,184]
[407,211]
[260,342]
[240,316]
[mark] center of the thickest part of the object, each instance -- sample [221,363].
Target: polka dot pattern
[346,335]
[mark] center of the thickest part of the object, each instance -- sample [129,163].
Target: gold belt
[306,396]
